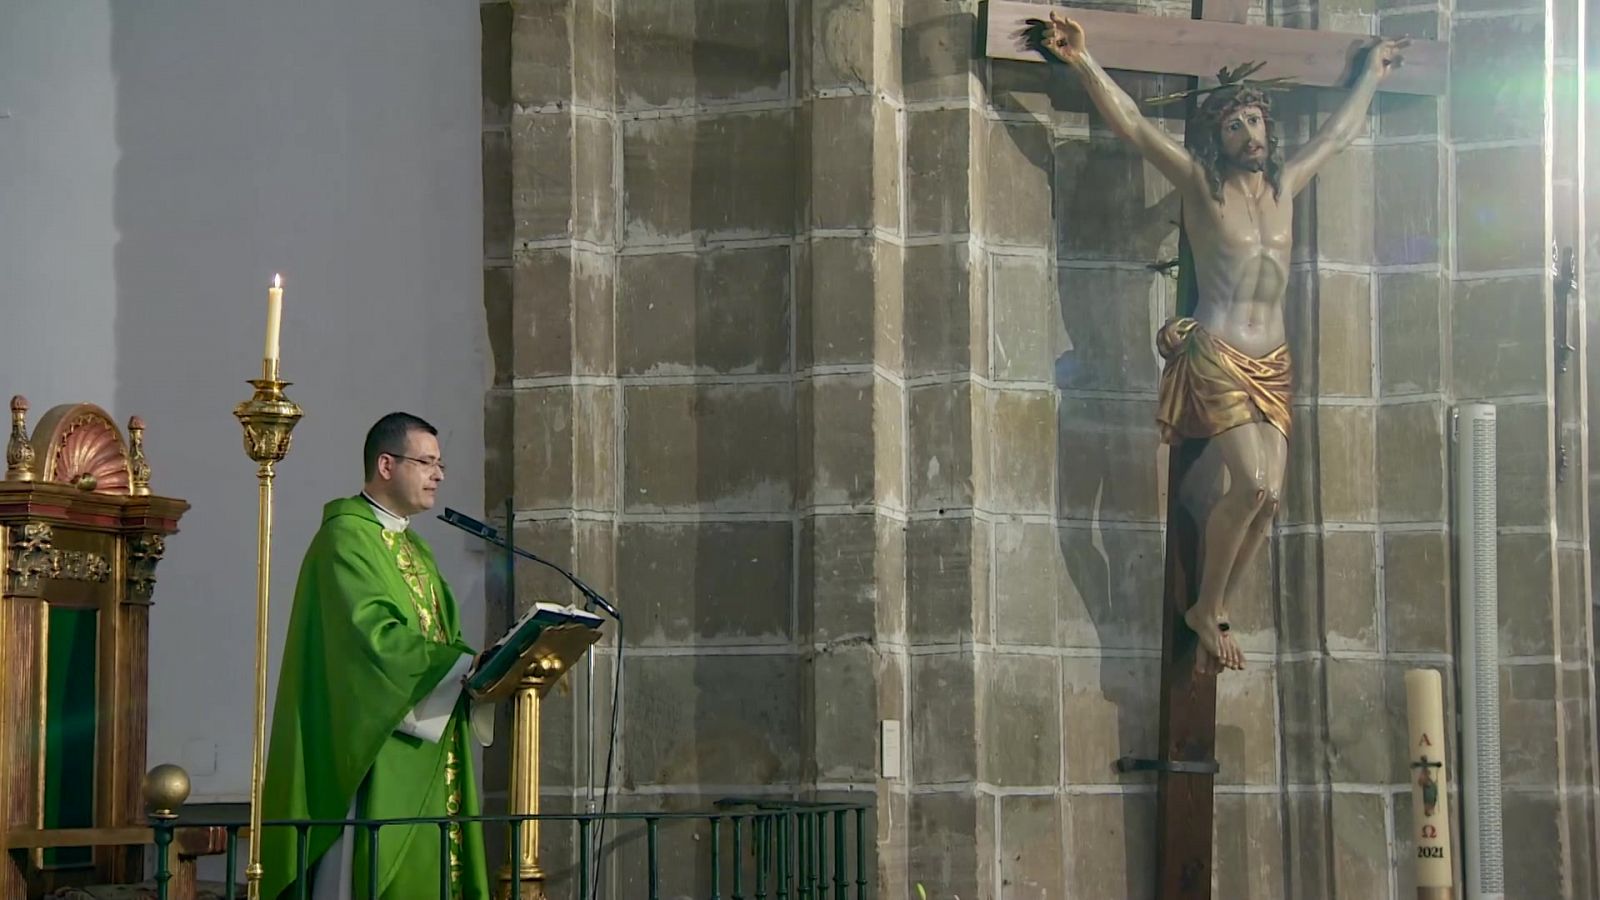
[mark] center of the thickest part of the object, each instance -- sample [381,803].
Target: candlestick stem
[268,418]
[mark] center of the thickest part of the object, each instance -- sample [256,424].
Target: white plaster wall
[58,159]
[189,150]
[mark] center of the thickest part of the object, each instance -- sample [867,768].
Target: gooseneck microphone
[492,535]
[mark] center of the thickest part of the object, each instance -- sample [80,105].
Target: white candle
[1430,798]
[274,316]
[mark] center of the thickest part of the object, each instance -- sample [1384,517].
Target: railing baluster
[823,887]
[762,835]
[801,861]
[774,841]
[783,850]
[233,862]
[841,875]
[583,861]
[302,845]
[770,848]
[808,857]
[716,858]
[372,862]
[738,862]
[163,836]
[444,861]
[516,859]
[650,840]
[819,857]
[824,850]
[861,853]
[809,823]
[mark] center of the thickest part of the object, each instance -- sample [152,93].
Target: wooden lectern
[82,535]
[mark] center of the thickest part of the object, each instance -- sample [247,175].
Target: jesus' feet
[1218,645]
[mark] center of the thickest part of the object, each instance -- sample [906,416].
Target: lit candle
[274,315]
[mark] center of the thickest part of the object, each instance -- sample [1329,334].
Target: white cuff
[483,722]
[430,716]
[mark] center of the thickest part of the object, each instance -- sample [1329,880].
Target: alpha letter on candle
[274,315]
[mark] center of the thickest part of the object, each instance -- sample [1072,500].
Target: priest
[370,720]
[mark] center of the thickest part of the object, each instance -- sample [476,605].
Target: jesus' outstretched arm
[1345,124]
[1063,39]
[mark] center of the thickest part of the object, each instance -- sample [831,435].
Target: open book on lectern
[548,634]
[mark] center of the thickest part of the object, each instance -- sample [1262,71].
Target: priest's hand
[477,663]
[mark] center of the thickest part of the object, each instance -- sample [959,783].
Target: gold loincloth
[1208,387]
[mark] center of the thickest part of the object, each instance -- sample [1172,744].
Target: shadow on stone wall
[1106,229]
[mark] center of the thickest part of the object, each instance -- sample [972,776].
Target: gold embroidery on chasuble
[452,807]
[424,596]
[419,584]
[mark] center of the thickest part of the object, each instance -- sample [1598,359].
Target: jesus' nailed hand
[1227,373]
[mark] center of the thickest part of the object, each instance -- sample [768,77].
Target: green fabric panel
[71,670]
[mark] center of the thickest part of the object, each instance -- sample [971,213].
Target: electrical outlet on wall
[890,747]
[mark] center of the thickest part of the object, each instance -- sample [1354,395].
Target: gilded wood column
[525,785]
[22,630]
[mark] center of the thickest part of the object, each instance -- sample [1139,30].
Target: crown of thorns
[1232,81]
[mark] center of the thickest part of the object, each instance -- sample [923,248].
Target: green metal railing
[781,850]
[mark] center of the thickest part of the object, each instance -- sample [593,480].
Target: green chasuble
[374,630]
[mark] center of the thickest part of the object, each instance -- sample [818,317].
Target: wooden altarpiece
[81,535]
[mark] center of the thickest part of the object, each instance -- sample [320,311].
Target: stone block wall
[826,348]
[1586,191]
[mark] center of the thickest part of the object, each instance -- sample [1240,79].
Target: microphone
[469,524]
[492,535]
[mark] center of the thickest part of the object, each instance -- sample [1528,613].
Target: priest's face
[412,477]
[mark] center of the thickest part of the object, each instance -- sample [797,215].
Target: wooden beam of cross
[1200,46]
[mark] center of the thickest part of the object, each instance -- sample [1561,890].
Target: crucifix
[1224,404]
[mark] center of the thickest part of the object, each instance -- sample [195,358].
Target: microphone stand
[492,535]
[592,598]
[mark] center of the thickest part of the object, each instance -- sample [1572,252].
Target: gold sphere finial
[165,788]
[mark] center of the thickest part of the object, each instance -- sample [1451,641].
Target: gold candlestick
[268,418]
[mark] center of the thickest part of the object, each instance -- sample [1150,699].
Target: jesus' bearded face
[1243,136]
[1232,132]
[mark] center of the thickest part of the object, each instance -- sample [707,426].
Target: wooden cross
[1215,37]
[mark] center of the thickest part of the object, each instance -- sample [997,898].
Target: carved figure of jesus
[1227,372]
